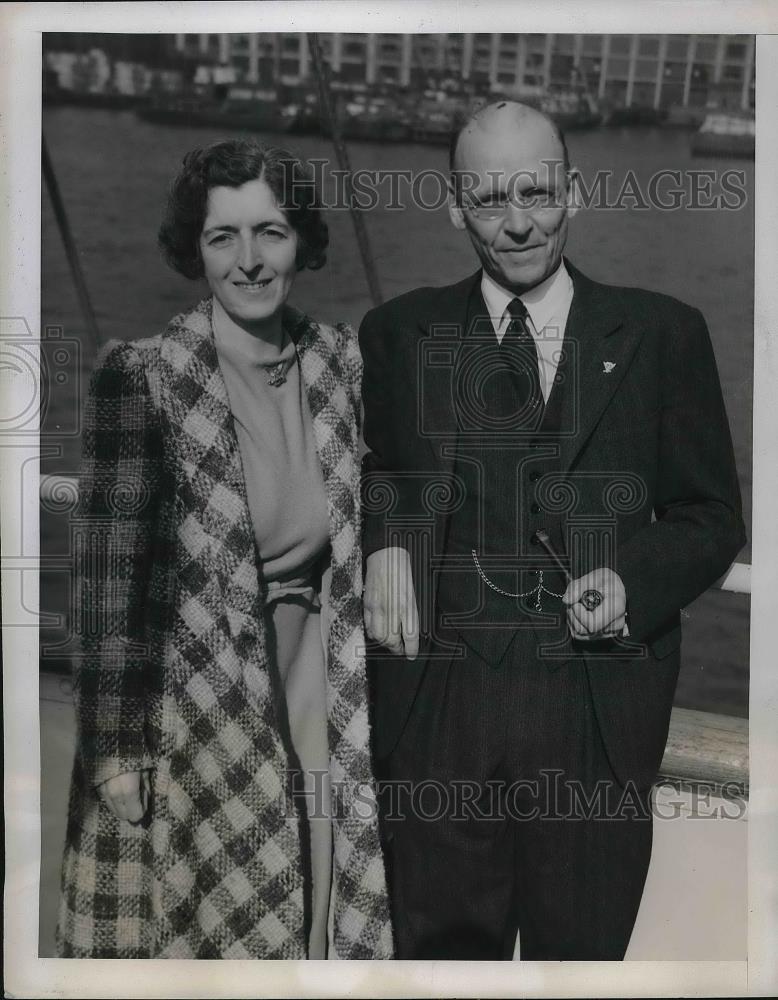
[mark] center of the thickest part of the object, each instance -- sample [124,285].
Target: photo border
[20,216]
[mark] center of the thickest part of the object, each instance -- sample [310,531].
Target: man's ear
[573,201]
[455,211]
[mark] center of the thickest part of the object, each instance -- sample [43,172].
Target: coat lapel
[599,343]
[334,414]
[217,531]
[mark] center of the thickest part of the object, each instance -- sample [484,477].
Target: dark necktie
[521,357]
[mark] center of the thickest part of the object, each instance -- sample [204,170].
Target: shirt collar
[546,300]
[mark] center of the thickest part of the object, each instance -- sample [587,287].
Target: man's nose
[517,219]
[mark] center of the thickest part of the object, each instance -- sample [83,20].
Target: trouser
[501,813]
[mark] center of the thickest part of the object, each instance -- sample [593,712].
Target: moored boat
[635,116]
[376,118]
[244,108]
[725,134]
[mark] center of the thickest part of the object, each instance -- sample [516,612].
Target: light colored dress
[288,506]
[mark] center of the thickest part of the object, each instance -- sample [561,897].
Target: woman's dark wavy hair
[232,163]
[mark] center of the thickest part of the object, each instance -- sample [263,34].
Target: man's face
[513,202]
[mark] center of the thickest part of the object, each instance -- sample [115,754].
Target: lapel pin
[608,366]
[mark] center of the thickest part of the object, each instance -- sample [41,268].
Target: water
[113,172]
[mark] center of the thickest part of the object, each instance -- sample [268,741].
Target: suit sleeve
[372,343]
[115,518]
[388,492]
[699,528]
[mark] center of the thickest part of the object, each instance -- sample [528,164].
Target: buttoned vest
[506,463]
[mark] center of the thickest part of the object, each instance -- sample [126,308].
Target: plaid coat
[173,673]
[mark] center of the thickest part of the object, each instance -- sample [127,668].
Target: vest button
[534,476]
[536,508]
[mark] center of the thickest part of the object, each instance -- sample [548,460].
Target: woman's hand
[127,795]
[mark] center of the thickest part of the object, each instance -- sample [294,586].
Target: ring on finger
[591,599]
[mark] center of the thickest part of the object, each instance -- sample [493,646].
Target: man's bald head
[500,116]
[510,191]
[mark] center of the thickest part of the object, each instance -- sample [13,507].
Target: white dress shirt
[548,305]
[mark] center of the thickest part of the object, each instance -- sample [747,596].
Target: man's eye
[219,240]
[274,234]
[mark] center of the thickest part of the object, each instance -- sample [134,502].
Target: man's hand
[391,615]
[127,795]
[606,620]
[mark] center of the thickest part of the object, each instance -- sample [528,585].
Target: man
[522,707]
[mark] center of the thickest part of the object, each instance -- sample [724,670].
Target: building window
[705,51]
[592,44]
[536,43]
[648,46]
[643,93]
[618,67]
[352,72]
[674,71]
[354,50]
[645,69]
[736,50]
[621,44]
[616,91]
[700,73]
[677,46]
[671,93]
[564,43]
[733,73]
[590,68]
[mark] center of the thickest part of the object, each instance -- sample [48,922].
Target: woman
[221,687]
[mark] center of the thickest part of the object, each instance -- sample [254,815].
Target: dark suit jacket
[648,440]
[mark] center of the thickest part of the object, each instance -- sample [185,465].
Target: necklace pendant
[276,374]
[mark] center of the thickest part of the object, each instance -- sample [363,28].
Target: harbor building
[647,70]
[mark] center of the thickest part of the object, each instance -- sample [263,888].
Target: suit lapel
[599,344]
[443,329]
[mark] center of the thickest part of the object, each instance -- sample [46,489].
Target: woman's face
[249,252]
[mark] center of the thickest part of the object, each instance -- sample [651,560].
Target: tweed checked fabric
[174,673]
